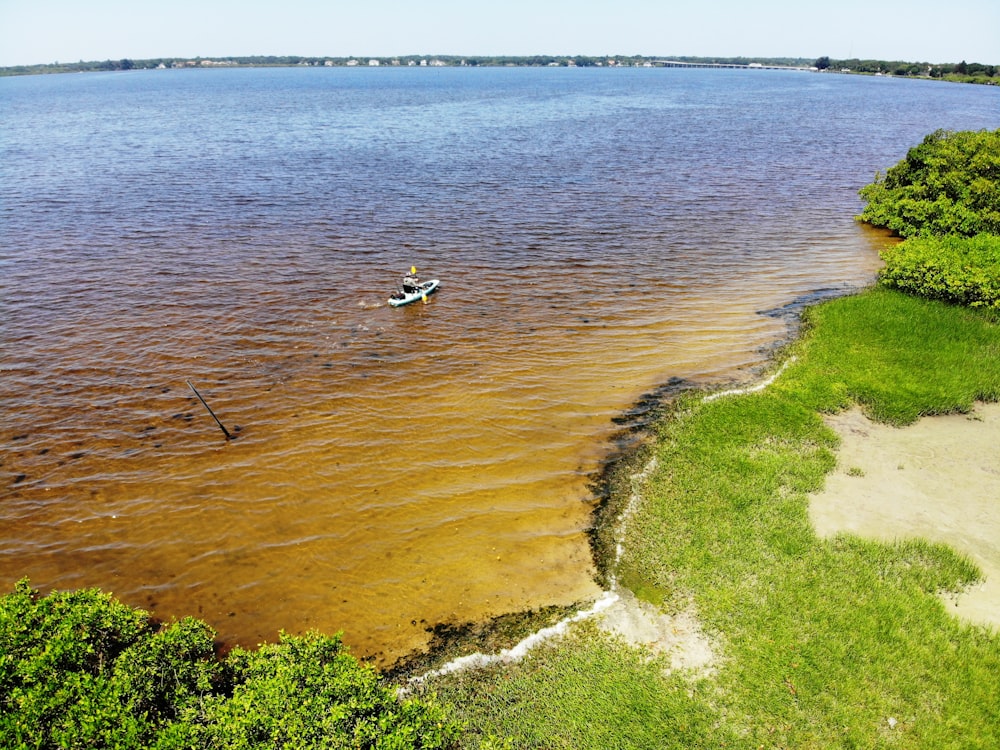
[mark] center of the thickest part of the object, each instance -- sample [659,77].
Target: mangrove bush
[961,270]
[82,670]
[948,184]
[944,198]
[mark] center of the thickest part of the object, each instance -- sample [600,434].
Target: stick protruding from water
[205,404]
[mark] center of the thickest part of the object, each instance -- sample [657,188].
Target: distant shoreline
[959,72]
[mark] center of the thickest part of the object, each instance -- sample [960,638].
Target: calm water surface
[597,232]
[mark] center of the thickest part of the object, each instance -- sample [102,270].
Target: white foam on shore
[751,388]
[627,512]
[603,604]
[518,651]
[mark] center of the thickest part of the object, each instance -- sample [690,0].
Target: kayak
[400,298]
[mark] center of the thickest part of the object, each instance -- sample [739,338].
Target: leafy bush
[81,670]
[949,184]
[308,692]
[962,270]
[57,657]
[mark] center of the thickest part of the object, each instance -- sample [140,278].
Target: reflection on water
[596,233]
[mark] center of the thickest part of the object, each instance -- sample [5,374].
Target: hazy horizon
[474,56]
[39,32]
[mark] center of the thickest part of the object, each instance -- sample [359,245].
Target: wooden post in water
[203,402]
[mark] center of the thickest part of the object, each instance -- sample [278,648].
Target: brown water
[392,468]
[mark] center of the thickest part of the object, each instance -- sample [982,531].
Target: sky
[47,31]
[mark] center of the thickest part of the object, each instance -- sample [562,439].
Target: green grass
[587,691]
[823,643]
[900,357]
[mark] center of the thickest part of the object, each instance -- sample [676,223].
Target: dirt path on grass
[938,479]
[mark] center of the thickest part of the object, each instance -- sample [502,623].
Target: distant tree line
[962,71]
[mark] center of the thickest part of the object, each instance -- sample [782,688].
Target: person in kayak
[410,282]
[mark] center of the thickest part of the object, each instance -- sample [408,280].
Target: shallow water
[597,232]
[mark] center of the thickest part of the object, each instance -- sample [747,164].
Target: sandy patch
[678,637]
[938,479]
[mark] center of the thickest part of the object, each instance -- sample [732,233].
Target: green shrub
[308,692]
[962,270]
[56,660]
[949,184]
[82,670]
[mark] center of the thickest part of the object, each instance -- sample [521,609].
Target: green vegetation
[962,270]
[944,197]
[961,72]
[82,670]
[587,691]
[949,184]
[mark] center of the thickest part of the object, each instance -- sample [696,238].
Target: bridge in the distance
[748,66]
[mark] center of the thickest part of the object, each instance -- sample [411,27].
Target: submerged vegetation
[818,643]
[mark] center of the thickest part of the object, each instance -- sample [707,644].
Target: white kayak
[400,298]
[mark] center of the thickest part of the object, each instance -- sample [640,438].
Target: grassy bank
[820,643]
